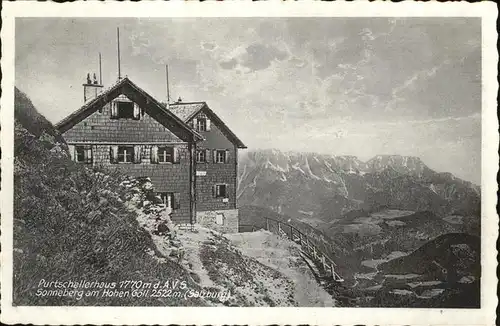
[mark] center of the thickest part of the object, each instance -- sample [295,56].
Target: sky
[340,86]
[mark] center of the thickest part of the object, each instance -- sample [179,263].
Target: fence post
[267,224]
[323,262]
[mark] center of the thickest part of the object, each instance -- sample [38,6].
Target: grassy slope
[70,225]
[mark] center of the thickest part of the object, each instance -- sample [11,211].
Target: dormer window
[125,110]
[201,124]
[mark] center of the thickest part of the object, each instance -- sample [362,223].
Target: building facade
[216,166]
[125,129]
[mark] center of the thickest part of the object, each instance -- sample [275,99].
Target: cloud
[208,46]
[260,56]
[230,64]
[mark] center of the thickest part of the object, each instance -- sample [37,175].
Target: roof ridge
[182,103]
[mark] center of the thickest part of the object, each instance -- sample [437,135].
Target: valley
[400,233]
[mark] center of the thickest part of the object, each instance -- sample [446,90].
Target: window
[166,154]
[201,125]
[201,156]
[219,218]
[125,154]
[220,191]
[171,199]
[220,156]
[125,110]
[83,154]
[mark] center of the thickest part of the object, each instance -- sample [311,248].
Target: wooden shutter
[227,156]
[177,200]
[214,191]
[176,158]
[114,110]
[113,154]
[154,154]
[88,155]
[72,152]
[137,112]
[195,124]
[214,156]
[137,154]
[207,156]
[208,124]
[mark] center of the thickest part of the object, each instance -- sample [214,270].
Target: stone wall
[210,219]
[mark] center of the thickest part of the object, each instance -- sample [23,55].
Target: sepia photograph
[328,162]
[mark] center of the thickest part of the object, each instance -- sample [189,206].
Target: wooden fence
[283,229]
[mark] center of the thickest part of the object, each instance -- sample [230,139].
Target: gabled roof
[150,104]
[188,110]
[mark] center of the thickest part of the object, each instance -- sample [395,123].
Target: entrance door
[167,199]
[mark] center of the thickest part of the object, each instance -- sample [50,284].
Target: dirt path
[283,256]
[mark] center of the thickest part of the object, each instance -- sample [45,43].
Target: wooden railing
[283,229]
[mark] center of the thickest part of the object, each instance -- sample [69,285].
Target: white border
[184,315]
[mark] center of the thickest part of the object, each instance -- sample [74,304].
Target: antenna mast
[100,70]
[118,38]
[168,88]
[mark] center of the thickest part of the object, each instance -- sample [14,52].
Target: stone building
[186,150]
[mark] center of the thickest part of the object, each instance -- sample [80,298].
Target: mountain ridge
[376,163]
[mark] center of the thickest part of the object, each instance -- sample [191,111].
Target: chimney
[91,88]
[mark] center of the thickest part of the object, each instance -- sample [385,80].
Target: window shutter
[176,158]
[114,110]
[208,124]
[214,191]
[154,154]
[214,156]
[227,156]
[195,124]
[88,155]
[72,152]
[137,154]
[137,112]
[113,154]
[177,200]
[207,156]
